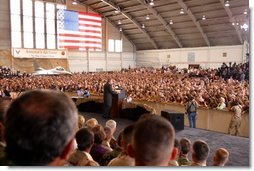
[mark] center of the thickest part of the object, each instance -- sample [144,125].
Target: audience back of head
[40,128]
[220,157]
[152,141]
[200,152]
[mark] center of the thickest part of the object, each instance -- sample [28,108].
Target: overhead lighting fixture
[151,3]
[74,3]
[143,26]
[233,24]
[119,22]
[203,18]
[182,11]
[245,26]
[245,12]
[237,24]
[171,22]
[118,10]
[147,17]
[227,3]
[120,29]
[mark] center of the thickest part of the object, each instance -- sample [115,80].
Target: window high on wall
[114,45]
[33,24]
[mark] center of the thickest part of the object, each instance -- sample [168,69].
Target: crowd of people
[167,84]
[43,127]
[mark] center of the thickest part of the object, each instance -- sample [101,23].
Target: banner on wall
[38,53]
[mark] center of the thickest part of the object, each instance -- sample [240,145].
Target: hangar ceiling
[158,24]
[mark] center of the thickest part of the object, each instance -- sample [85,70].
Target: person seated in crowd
[222,104]
[91,123]
[108,156]
[124,159]
[106,141]
[220,157]
[174,161]
[112,125]
[81,156]
[185,148]
[80,92]
[81,121]
[40,128]
[86,93]
[98,150]
[200,153]
[152,142]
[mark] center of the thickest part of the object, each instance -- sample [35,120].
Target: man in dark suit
[107,97]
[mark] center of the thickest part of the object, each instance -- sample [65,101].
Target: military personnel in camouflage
[185,147]
[235,122]
[81,156]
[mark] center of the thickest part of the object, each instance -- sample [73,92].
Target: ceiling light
[227,3]
[245,26]
[74,3]
[119,22]
[171,22]
[151,3]
[143,26]
[120,29]
[237,24]
[203,18]
[182,11]
[118,10]
[233,24]
[245,12]
[147,17]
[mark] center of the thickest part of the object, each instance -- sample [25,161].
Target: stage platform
[238,147]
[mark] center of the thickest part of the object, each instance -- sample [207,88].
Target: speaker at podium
[176,118]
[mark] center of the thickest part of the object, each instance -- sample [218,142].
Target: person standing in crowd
[200,153]
[185,149]
[107,98]
[221,104]
[220,157]
[81,156]
[236,118]
[40,127]
[152,142]
[124,159]
[191,111]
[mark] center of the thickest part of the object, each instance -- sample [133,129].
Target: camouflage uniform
[235,122]
[80,158]
[184,161]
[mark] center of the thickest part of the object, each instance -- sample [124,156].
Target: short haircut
[185,145]
[127,134]
[108,132]
[39,126]
[111,124]
[99,134]
[90,123]
[84,138]
[221,155]
[81,121]
[153,140]
[201,150]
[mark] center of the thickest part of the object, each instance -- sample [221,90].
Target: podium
[117,102]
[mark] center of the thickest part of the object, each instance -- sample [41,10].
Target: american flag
[79,30]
